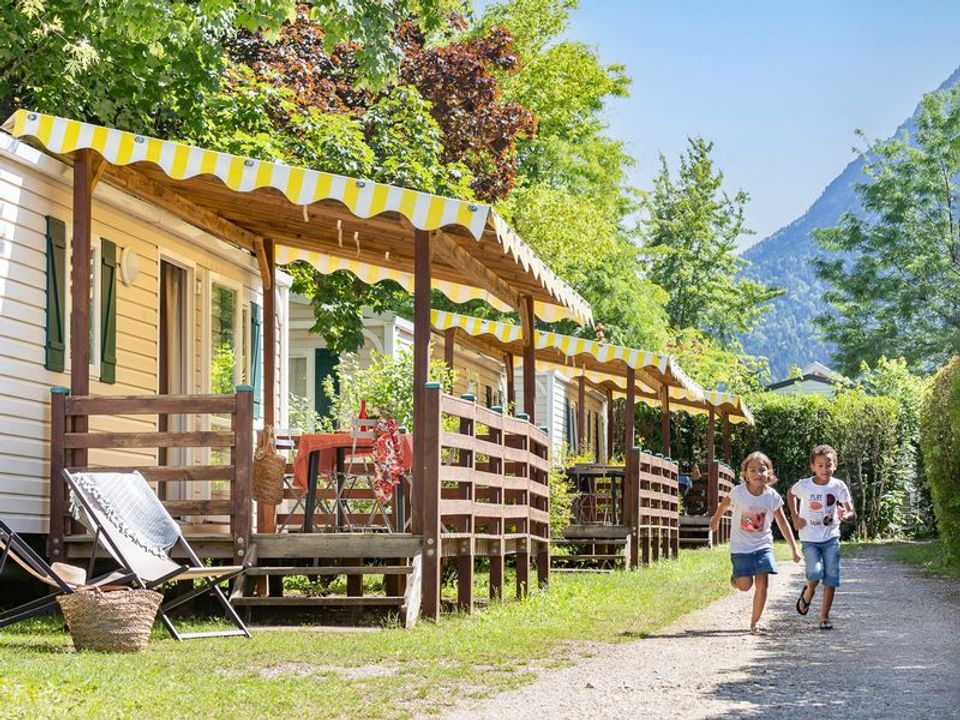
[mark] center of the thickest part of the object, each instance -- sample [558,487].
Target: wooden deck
[623,517]
[483,494]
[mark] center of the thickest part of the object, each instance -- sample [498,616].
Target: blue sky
[779,87]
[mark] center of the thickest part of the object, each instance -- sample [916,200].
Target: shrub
[386,385]
[940,442]
[862,428]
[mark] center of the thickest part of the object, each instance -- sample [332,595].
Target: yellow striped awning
[471,226]
[590,354]
[724,404]
[370,274]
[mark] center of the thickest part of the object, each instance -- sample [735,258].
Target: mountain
[788,335]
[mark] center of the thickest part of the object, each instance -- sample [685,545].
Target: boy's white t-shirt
[752,518]
[818,506]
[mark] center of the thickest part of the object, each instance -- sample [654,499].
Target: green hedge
[866,431]
[940,442]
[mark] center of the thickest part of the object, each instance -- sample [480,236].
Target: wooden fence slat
[151,404]
[198,507]
[76,440]
[171,473]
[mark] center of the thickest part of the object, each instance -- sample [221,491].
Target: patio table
[329,452]
[585,478]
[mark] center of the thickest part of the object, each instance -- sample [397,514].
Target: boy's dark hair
[824,450]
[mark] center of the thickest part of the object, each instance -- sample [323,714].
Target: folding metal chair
[129,521]
[61,577]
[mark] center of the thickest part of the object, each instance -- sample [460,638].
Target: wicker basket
[118,621]
[268,467]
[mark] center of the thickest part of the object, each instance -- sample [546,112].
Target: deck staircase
[695,532]
[589,549]
[323,559]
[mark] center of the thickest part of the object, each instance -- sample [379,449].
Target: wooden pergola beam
[726,438]
[265,263]
[143,187]
[446,249]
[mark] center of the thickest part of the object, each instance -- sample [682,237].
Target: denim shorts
[753,563]
[823,561]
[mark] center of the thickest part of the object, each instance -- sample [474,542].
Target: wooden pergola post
[631,478]
[529,358]
[713,488]
[511,402]
[665,418]
[266,513]
[425,491]
[449,340]
[726,438]
[421,365]
[581,413]
[609,426]
[80,259]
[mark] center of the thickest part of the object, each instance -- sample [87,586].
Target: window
[223,339]
[224,349]
[298,376]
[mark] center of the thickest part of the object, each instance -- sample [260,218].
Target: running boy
[755,505]
[818,505]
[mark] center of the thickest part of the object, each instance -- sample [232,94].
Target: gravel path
[895,653]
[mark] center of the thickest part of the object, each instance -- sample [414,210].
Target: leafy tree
[714,366]
[585,245]
[135,65]
[896,289]
[573,203]
[691,232]
[386,385]
[338,300]
[478,128]
[407,143]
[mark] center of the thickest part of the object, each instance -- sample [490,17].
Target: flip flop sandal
[803,605]
[826,625]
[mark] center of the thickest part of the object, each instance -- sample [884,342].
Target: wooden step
[573,532]
[590,541]
[571,571]
[580,558]
[327,601]
[332,570]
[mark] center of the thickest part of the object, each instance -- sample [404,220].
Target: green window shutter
[256,359]
[56,293]
[108,312]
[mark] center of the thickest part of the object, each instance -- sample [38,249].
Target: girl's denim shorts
[753,563]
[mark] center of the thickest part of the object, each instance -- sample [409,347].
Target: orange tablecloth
[328,444]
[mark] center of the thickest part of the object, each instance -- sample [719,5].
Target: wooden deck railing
[652,508]
[69,449]
[721,479]
[484,493]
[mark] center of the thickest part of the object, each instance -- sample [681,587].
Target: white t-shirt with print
[752,517]
[818,506]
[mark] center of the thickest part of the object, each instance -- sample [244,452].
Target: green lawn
[930,556]
[389,673]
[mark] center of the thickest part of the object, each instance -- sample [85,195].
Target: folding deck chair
[62,578]
[129,521]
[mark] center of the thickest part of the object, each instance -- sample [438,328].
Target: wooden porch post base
[523,569]
[465,570]
[543,564]
[645,545]
[496,573]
